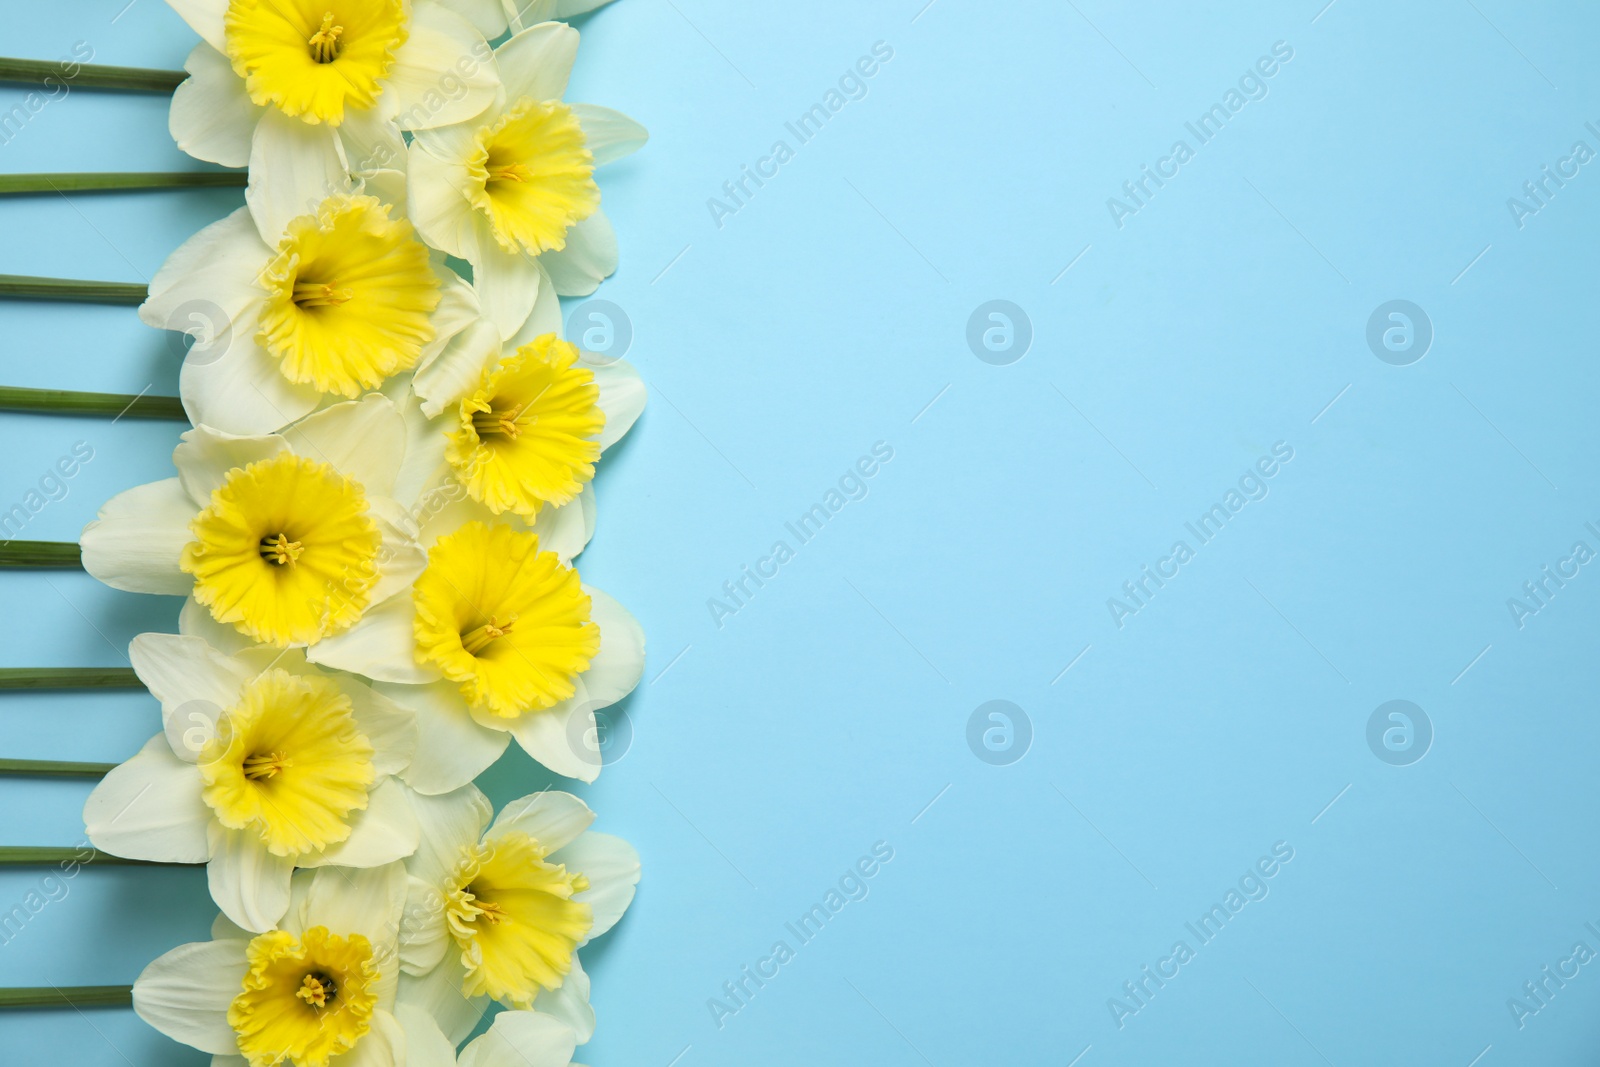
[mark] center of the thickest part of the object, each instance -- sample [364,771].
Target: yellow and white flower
[317,990]
[513,188]
[339,72]
[499,910]
[282,538]
[265,764]
[316,290]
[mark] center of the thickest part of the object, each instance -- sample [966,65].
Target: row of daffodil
[373,521]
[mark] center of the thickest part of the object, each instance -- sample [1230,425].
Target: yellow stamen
[475,641]
[317,990]
[280,549]
[266,765]
[488,422]
[320,295]
[325,46]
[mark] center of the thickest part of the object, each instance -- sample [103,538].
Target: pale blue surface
[1221,719]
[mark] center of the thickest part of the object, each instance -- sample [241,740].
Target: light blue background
[772,752]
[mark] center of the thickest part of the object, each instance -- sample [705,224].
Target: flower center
[529,435]
[351,295]
[512,914]
[314,59]
[325,47]
[288,763]
[533,175]
[304,1001]
[277,588]
[508,622]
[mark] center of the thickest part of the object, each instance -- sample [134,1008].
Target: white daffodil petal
[458,310]
[609,135]
[439,994]
[556,737]
[566,530]
[294,166]
[545,316]
[522,1039]
[384,1045]
[555,818]
[194,620]
[382,833]
[205,457]
[612,867]
[424,928]
[569,1002]
[589,258]
[205,17]
[135,542]
[358,900]
[382,645]
[403,559]
[442,74]
[566,9]
[426,1045]
[622,395]
[249,884]
[208,283]
[364,440]
[241,390]
[537,62]
[452,749]
[212,116]
[456,371]
[617,667]
[487,16]
[390,728]
[436,201]
[371,144]
[450,823]
[149,808]
[194,682]
[508,285]
[186,992]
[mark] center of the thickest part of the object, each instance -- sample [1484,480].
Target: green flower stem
[52,73]
[43,856]
[69,678]
[40,554]
[23,287]
[66,402]
[91,183]
[74,996]
[54,768]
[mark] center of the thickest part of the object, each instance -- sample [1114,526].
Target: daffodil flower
[313,291]
[499,910]
[265,764]
[283,538]
[521,1039]
[514,187]
[317,990]
[275,74]
[494,17]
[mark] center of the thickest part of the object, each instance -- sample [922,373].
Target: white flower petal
[135,542]
[436,198]
[208,283]
[372,144]
[537,62]
[609,135]
[242,390]
[194,682]
[149,808]
[439,994]
[426,1045]
[522,1039]
[554,737]
[195,620]
[294,166]
[382,645]
[384,1045]
[359,900]
[456,371]
[569,1002]
[452,749]
[622,395]
[249,884]
[450,823]
[589,258]
[364,440]
[457,311]
[544,318]
[401,559]
[554,818]
[508,285]
[566,530]
[382,833]
[612,867]
[205,456]
[566,9]
[424,929]
[442,74]
[212,116]
[616,669]
[389,727]
[205,17]
[487,16]
[186,992]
